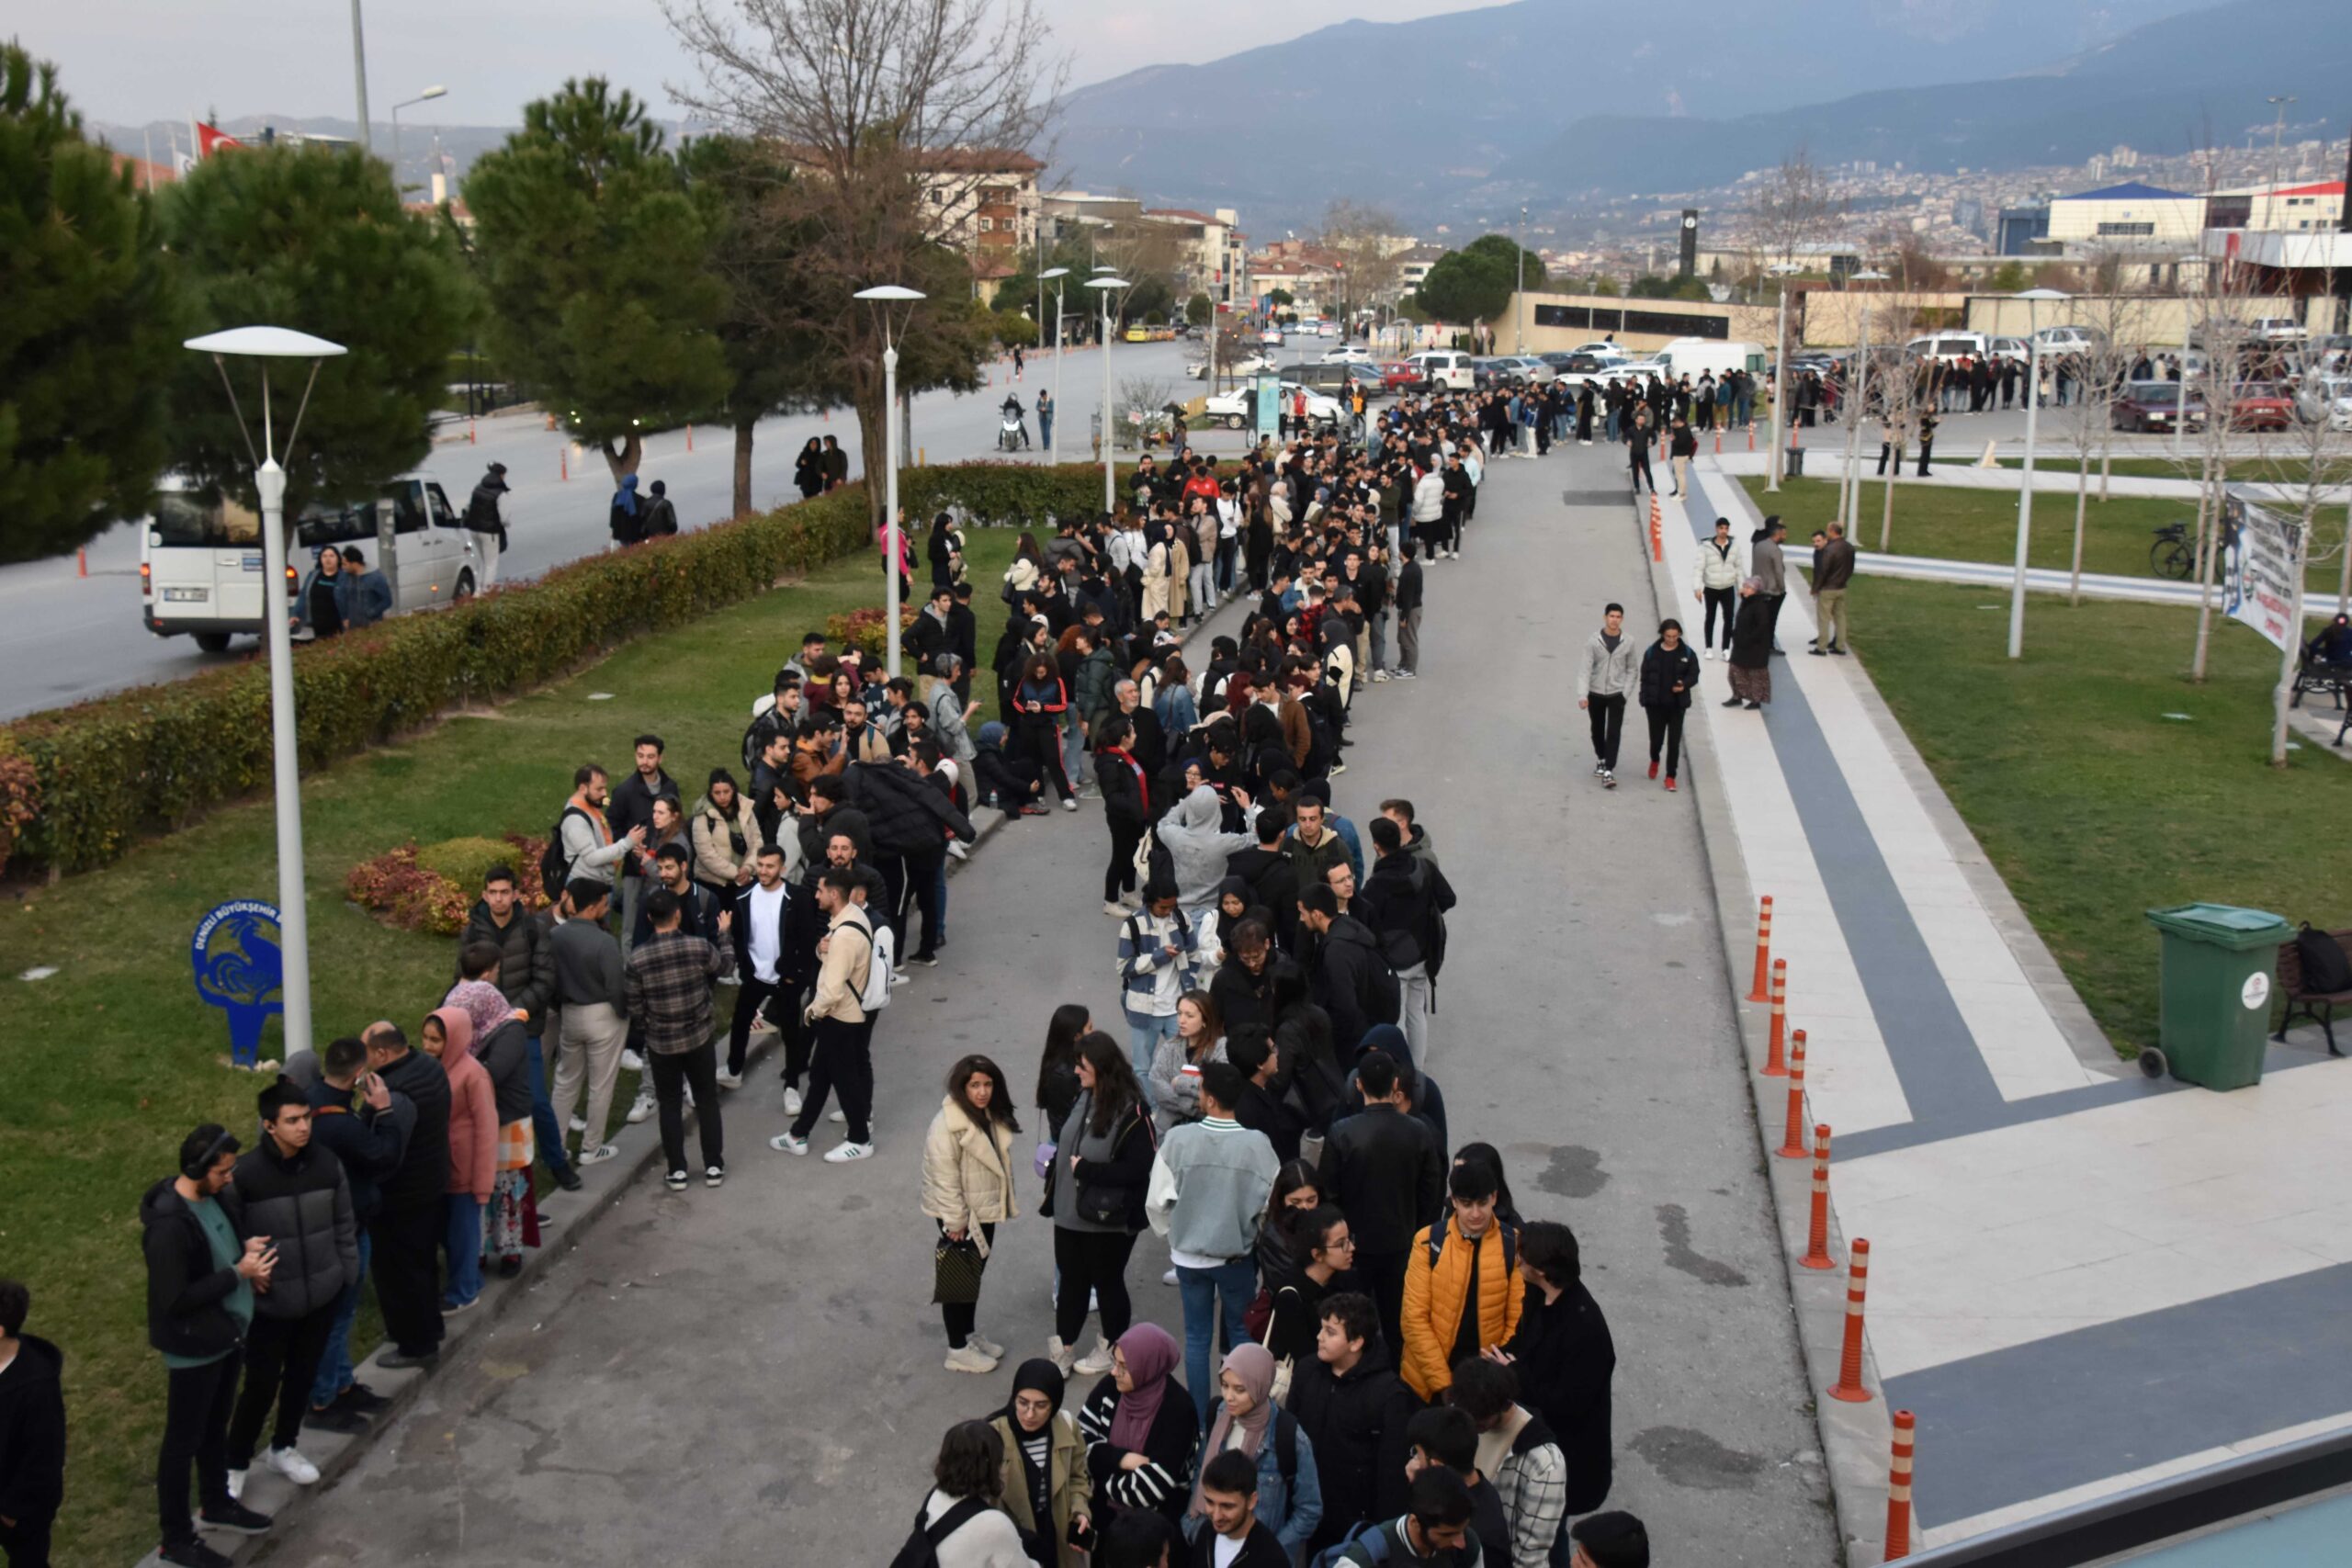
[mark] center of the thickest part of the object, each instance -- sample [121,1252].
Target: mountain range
[1547,101]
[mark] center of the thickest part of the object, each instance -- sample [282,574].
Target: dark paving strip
[2012,1426]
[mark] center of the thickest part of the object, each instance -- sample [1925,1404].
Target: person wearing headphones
[202,1273]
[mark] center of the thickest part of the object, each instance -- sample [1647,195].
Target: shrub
[868,628]
[1021,496]
[467,861]
[19,795]
[432,890]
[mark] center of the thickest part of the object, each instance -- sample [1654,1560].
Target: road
[753,1374]
[65,637]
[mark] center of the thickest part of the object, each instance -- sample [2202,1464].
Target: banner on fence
[2261,550]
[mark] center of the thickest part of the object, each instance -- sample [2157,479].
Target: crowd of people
[1380,1358]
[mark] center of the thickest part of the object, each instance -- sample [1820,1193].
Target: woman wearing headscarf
[448,1037]
[1047,1484]
[1751,649]
[502,1045]
[1143,1433]
[627,522]
[1290,1498]
[945,550]
[808,470]
[968,1187]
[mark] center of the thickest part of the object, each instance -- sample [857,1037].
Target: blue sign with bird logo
[241,969]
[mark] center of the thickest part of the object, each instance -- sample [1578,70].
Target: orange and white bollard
[1848,1386]
[1898,1488]
[1758,990]
[1817,1241]
[690,437]
[1792,1135]
[473,432]
[565,459]
[1719,442]
[1775,1043]
[82,563]
[1751,438]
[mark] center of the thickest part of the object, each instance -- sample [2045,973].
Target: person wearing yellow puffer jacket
[1463,1292]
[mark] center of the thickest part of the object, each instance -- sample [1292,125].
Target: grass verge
[1945,523]
[2101,781]
[110,1061]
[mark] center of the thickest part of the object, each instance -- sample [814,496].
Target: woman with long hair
[967,1188]
[1057,1067]
[1172,702]
[808,470]
[944,549]
[1176,1063]
[1282,1243]
[1040,700]
[969,1475]
[1329,1252]
[1102,1163]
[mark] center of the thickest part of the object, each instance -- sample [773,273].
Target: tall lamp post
[1519,294]
[425,96]
[1054,447]
[269,479]
[359,75]
[893,304]
[2033,299]
[1105,286]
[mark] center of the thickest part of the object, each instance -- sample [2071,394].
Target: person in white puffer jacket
[1715,584]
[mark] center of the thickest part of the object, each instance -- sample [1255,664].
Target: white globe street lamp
[1107,283]
[893,305]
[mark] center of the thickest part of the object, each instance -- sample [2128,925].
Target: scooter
[1013,435]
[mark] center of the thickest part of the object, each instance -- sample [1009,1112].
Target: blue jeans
[546,1131]
[336,1370]
[1202,1290]
[1144,1035]
[463,1238]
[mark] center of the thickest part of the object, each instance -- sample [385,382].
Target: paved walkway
[2080,1279]
[1959,469]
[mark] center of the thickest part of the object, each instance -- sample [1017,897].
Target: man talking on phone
[202,1273]
[356,1117]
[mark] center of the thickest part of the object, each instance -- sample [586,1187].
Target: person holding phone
[202,1273]
[1047,1488]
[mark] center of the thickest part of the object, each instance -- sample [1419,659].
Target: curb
[1854,1438]
[601,1189]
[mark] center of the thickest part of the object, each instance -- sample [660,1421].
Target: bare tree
[1794,206]
[2114,326]
[1361,236]
[2220,333]
[896,115]
[1901,391]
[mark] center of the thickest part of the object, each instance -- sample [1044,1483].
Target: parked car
[2276,329]
[1445,368]
[1327,329]
[1233,409]
[2262,405]
[1348,354]
[2071,340]
[2015,348]
[1397,375]
[1270,336]
[1249,364]
[1529,367]
[1604,348]
[2156,405]
[2325,397]
[1950,348]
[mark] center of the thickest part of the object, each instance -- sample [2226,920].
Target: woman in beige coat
[968,1187]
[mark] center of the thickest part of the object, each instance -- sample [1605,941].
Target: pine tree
[86,325]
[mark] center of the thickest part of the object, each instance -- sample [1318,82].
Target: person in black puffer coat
[32,1432]
[1669,674]
[407,1230]
[296,1194]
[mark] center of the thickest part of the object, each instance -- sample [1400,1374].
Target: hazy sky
[127,62]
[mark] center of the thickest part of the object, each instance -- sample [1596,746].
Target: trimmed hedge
[82,784]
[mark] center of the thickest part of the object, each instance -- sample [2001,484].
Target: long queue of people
[1274,982]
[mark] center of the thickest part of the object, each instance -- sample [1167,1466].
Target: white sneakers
[237,1480]
[784,1142]
[289,1464]
[598,1155]
[970,1359]
[1095,1362]
[1064,1356]
[729,1080]
[837,1114]
[1115,910]
[987,1347]
[579,1123]
[642,1107]
[844,1153]
[791,1101]
[1071,804]
[632,1061]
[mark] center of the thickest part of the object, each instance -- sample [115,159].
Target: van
[200,562]
[1443,368]
[1949,348]
[1697,356]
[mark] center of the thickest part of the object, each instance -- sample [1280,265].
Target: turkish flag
[209,138]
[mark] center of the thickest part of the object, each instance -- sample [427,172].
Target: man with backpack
[841,1017]
[1405,903]
[1434,1530]
[1462,1293]
[1350,976]
[1155,950]
[582,847]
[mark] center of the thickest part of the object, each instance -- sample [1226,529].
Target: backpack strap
[948,1523]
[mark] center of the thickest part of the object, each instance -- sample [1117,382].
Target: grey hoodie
[1607,672]
[1197,848]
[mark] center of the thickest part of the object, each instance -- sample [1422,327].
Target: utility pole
[359,72]
[1519,298]
[2277,130]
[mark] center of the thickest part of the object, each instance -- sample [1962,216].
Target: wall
[1746,322]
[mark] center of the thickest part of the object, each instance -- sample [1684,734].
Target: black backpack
[921,1550]
[555,866]
[2325,972]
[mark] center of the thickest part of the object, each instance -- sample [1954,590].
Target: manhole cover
[1596,496]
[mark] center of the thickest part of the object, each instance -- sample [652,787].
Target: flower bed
[401,888]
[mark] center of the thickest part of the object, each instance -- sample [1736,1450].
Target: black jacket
[1261,1547]
[1123,799]
[1408,587]
[1356,1422]
[1263,1111]
[1404,902]
[632,804]
[1267,998]
[814,830]
[506,1057]
[907,813]
[366,1143]
[1565,1358]
[1273,881]
[1347,982]
[184,1287]
[1384,1170]
[423,1175]
[32,1432]
[303,1206]
[1663,670]
[526,964]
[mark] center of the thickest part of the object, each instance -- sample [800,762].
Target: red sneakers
[1669,783]
[1652,767]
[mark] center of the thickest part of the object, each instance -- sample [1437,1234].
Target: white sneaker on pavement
[989,1347]
[1069,804]
[598,1155]
[1117,911]
[786,1144]
[837,1114]
[632,1061]
[791,1101]
[289,1464]
[729,1080]
[579,1123]
[1063,1356]
[643,1108]
[236,1486]
[841,1154]
[970,1359]
[1095,1362]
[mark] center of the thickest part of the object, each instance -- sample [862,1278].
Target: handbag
[955,1272]
[1043,1161]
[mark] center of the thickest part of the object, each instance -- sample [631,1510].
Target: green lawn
[111,1060]
[1951,524]
[2275,469]
[2094,805]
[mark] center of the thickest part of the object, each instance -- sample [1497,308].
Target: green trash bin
[2215,973]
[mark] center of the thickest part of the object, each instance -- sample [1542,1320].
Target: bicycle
[2173,554]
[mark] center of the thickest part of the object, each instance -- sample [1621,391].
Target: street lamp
[1107,285]
[887,299]
[359,75]
[2033,299]
[1519,294]
[269,481]
[1054,444]
[425,96]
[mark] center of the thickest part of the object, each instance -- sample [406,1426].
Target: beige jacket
[849,957]
[968,1172]
[715,857]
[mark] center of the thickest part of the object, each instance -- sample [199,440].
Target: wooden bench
[2318,1006]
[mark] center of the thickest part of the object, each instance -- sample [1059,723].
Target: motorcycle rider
[1016,421]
